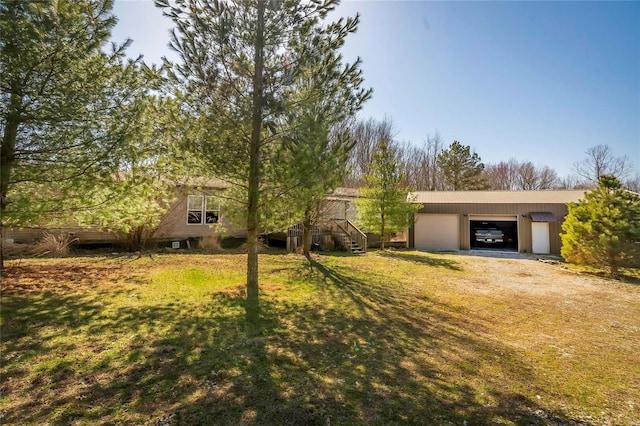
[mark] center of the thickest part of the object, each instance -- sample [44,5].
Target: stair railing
[357,235]
[352,234]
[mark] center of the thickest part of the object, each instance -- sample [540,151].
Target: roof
[342,192]
[204,182]
[542,217]
[497,197]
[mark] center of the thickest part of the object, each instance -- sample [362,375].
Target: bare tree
[514,176]
[501,176]
[633,183]
[410,159]
[547,178]
[599,161]
[526,176]
[532,178]
[420,163]
[432,149]
[366,134]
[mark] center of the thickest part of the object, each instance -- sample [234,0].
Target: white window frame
[207,204]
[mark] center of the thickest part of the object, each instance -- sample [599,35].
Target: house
[333,225]
[519,221]
[195,213]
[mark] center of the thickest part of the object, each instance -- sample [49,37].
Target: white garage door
[437,232]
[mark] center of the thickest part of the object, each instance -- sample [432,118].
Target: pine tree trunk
[7,155]
[1,248]
[306,234]
[382,232]
[253,300]
[614,271]
[8,147]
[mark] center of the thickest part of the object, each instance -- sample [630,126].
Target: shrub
[54,245]
[603,230]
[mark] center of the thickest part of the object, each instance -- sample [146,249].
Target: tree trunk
[1,248]
[7,157]
[614,271]
[306,233]
[382,233]
[253,300]
[8,147]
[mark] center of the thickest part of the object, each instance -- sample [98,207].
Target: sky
[535,81]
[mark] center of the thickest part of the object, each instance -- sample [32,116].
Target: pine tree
[383,206]
[318,141]
[314,148]
[133,203]
[461,169]
[603,229]
[241,69]
[66,106]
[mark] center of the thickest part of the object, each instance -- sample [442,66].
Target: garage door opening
[494,235]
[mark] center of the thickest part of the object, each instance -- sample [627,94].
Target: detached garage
[522,221]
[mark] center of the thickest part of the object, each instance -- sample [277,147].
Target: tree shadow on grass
[357,351]
[423,259]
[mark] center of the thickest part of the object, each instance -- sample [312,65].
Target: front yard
[395,337]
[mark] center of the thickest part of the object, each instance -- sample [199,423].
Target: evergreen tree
[603,229]
[242,65]
[317,150]
[383,206]
[318,163]
[461,169]
[133,203]
[66,106]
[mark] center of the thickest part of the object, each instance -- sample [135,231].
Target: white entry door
[540,237]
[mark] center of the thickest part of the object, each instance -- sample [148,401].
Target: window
[212,210]
[202,210]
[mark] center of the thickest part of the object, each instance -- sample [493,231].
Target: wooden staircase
[354,241]
[345,235]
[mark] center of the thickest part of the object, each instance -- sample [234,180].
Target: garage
[493,232]
[437,232]
[512,221]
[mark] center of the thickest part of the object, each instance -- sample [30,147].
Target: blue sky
[537,81]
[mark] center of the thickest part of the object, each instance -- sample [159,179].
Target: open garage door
[493,232]
[437,232]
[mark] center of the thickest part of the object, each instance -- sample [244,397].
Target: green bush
[603,229]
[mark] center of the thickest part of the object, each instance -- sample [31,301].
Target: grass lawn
[396,337]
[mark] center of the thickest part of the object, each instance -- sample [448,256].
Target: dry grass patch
[393,337]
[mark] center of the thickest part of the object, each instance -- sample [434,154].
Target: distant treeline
[435,164]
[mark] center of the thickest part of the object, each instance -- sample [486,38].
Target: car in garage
[489,236]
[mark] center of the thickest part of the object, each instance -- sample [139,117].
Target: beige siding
[337,209]
[83,235]
[24,235]
[174,224]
